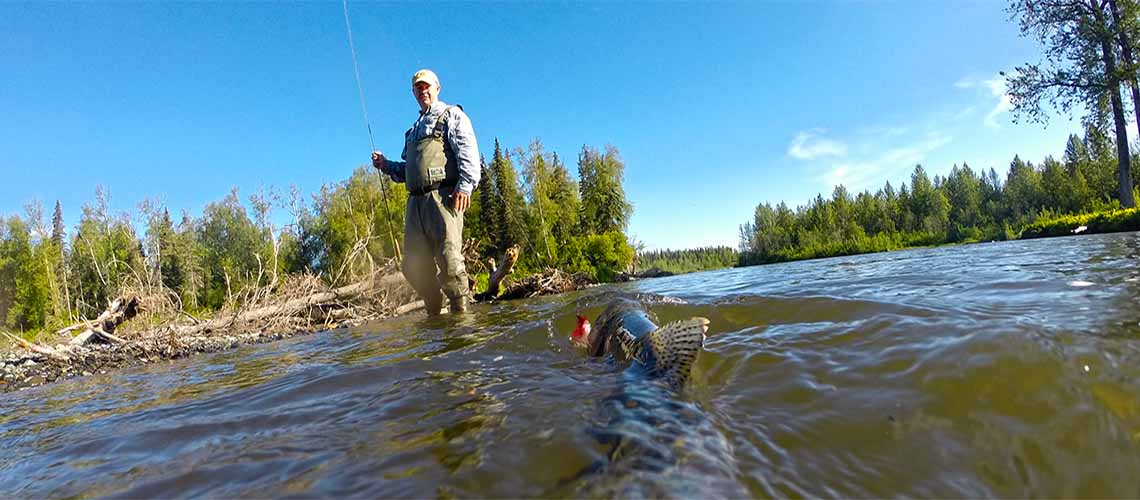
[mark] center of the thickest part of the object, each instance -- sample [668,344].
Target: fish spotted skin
[659,445]
[668,352]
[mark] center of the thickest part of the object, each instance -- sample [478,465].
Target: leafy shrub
[1112,221]
[602,256]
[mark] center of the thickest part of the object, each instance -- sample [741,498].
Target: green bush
[1112,221]
[602,256]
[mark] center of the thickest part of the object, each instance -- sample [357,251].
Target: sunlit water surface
[998,369]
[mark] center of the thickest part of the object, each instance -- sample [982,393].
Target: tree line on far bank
[688,260]
[964,206]
[49,277]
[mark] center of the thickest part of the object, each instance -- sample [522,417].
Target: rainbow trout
[660,445]
[625,330]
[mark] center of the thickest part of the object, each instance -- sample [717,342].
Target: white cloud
[996,85]
[965,113]
[905,155]
[883,131]
[809,145]
[882,163]
[853,175]
[966,82]
[1003,106]
[997,89]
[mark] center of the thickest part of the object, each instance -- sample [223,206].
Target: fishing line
[368,125]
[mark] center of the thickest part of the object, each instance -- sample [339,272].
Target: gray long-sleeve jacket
[460,137]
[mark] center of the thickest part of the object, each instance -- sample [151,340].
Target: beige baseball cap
[425,75]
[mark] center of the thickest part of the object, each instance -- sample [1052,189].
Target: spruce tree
[489,208]
[54,261]
[472,218]
[587,187]
[57,230]
[171,265]
[566,203]
[510,216]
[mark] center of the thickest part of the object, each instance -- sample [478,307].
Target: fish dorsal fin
[675,347]
[630,346]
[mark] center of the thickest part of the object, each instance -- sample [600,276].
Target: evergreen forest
[964,206]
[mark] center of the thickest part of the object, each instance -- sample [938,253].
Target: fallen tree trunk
[409,307]
[550,281]
[119,311]
[36,348]
[336,296]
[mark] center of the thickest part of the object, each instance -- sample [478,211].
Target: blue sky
[715,107]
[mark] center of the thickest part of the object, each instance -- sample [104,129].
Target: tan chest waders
[431,164]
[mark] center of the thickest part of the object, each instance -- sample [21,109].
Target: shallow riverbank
[24,370]
[388,296]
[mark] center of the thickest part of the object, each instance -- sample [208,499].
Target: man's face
[426,94]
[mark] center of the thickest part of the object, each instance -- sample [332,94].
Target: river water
[996,369]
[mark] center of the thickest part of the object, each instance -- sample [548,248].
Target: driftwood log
[103,328]
[498,273]
[312,304]
[36,348]
[550,281]
[100,329]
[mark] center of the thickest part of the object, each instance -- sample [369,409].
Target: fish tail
[675,347]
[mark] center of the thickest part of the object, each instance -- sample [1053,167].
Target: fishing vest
[431,163]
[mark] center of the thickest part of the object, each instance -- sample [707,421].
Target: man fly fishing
[440,170]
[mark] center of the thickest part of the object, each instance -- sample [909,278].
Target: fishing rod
[368,125]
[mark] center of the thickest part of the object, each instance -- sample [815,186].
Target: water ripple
[999,369]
